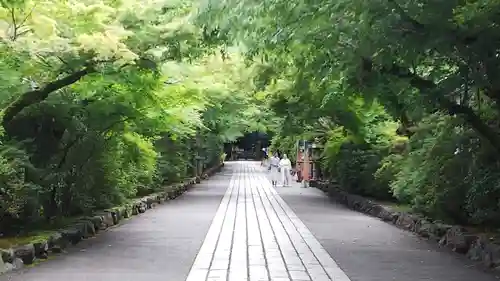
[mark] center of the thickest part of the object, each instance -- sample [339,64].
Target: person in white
[286,168]
[274,163]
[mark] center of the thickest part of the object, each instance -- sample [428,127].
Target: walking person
[274,163]
[286,167]
[264,158]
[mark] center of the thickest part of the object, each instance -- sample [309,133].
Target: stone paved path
[236,227]
[255,236]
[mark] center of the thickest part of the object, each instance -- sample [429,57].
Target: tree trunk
[430,89]
[36,96]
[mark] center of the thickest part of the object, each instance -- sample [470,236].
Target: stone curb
[86,227]
[476,247]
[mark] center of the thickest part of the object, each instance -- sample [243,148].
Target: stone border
[476,247]
[86,227]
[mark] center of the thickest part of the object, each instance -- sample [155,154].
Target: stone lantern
[316,149]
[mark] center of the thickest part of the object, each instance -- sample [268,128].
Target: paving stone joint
[255,236]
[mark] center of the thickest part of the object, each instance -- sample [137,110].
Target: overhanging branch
[428,87]
[35,96]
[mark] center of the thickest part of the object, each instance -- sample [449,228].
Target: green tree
[360,66]
[103,101]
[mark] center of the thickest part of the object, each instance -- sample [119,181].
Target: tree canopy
[102,101]
[403,94]
[105,100]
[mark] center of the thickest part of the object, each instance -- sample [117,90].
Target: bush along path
[38,248]
[481,247]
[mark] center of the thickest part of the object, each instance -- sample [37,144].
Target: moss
[35,237]
[397,207]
